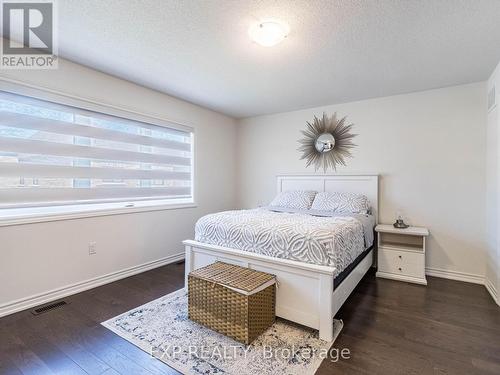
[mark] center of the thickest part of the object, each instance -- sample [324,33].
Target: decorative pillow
[294,199]
[341,202]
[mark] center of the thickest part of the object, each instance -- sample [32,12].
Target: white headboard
[362,184]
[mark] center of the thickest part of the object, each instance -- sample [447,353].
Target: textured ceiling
[337,51]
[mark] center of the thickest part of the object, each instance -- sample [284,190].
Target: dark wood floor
[391,327]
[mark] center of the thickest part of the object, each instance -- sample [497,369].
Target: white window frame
[26,215]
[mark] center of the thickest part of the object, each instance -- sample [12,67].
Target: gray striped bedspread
[327,241]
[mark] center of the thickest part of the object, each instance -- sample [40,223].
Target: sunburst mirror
[327,142]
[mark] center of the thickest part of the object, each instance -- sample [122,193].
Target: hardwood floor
[391,327]
[448,327]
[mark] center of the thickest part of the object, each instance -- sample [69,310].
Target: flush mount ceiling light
[268,33]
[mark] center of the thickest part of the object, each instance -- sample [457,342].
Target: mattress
[328,241]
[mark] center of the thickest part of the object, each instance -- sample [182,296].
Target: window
[53,154]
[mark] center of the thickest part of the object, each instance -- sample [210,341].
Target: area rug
[162,329]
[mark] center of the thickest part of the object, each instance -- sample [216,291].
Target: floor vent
[49,307]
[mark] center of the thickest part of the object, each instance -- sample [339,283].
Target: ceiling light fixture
[268,33]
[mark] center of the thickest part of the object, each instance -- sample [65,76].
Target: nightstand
[401,253]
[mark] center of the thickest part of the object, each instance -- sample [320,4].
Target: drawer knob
[400,257]
[400,269]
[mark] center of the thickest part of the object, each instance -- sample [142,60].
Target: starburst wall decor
[327,142]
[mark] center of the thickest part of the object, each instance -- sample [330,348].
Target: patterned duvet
[327,241]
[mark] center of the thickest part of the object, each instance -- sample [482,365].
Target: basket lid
[234,277]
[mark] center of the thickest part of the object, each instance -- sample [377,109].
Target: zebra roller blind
[53,154]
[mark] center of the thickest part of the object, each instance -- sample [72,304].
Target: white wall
[37,258]
[492,192]
[428,147]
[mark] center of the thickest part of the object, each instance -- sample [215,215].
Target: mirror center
[325,143]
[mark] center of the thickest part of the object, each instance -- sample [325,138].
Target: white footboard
[304,292]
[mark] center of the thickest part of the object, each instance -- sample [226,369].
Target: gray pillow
[297,199]
[341,202]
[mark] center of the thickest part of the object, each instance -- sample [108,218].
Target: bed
[317,260]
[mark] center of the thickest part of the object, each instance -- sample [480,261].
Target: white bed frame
[305,292]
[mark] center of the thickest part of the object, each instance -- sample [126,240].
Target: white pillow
[294,199]
[341,202]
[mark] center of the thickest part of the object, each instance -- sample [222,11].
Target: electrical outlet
[92,248]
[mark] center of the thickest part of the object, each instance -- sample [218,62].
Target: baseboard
[490,287]
[39,299]
[455,275]
[409,279]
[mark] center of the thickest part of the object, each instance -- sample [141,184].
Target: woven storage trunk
[235,301]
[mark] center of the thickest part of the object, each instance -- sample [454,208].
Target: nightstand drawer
[401,262]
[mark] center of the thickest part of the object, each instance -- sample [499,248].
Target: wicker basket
[235,301]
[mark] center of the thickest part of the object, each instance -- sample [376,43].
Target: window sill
[18,216]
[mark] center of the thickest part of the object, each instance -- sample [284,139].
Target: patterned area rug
[162,329]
